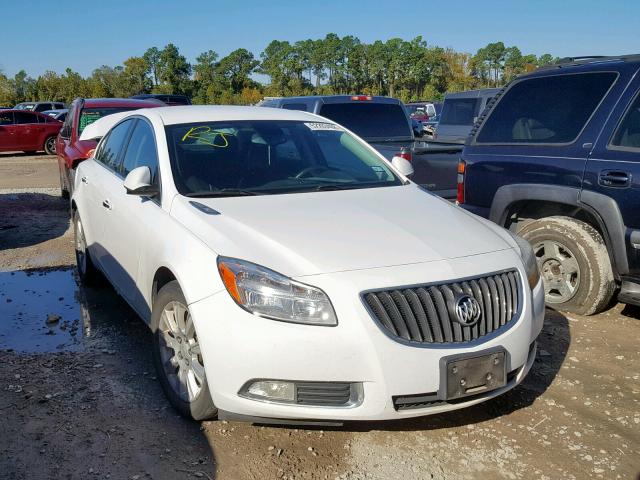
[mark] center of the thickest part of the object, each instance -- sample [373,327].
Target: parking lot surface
[79,396]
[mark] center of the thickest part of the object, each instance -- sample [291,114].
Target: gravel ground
[80,399]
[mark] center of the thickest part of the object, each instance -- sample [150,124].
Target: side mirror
[402,165]
[138,182]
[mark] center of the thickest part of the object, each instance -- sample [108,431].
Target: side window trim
[125,146]
[561,144]
[158,180]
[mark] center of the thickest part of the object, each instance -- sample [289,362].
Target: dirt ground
[79,398]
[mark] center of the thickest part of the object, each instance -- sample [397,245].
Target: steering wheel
[309,171]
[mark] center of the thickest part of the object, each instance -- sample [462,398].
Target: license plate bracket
[473,374]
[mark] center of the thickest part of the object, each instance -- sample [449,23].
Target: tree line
[409,70]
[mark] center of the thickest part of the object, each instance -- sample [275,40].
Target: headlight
[529,260]
[269,294]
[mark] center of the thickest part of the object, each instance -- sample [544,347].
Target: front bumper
[238,346]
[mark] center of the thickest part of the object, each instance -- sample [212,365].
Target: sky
[85,34]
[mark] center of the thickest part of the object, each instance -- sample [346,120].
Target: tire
[87,272]
[64,189]
[574,264]
[176,356]
[50,146]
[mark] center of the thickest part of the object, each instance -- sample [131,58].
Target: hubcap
[81,248]
[180,351]
[51,145]
[560,271]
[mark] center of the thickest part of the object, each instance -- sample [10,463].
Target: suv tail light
[362,97]
[404,153]
[462,166]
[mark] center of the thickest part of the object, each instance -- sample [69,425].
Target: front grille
[326,394]
[426,314]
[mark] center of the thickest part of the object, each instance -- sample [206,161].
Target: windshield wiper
[223,192]
[345,186]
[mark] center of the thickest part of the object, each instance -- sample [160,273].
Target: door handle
[614,178]
[106,204]
[84,180]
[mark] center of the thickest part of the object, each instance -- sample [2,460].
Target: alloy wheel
[180,351]
[50,145]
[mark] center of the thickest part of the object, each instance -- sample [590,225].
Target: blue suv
[555,157]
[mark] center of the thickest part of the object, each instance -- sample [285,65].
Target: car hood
[321,232]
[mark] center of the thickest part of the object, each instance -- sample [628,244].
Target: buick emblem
[468,311]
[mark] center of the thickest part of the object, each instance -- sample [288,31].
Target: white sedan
[290,272]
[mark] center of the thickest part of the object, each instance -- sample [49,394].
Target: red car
[29,132]
[70,149]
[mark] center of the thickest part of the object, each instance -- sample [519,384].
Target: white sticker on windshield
[323,126]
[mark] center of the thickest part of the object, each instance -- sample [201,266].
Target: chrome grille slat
[421,316]
[441,308]
[426,313]
[432,315]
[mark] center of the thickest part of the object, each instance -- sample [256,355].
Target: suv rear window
[369,120]
[546,110]
[459,111]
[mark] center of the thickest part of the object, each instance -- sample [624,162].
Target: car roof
[157,95]
[118,102]
[338,99]
[56,110]
[473,93]
[17,110]
[569,65]
[215,113]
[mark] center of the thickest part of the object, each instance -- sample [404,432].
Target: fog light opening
[273,390]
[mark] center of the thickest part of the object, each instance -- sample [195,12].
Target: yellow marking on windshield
[205,135]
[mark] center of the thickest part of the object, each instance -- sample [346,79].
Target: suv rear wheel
[574,264]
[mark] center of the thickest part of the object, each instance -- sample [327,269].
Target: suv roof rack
[583,60]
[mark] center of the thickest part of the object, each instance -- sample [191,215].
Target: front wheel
[177,356]
[50,145]
[574,264]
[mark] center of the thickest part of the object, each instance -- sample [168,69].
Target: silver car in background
[459,112]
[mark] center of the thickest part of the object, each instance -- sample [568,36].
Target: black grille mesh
[423,314]
[328,394]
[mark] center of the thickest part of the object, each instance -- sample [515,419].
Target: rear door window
[459,111]
[627,135]
[22,118]
[546,110]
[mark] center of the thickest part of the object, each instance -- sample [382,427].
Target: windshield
[25,106]
[267,157]
[370,120]
[90,115]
